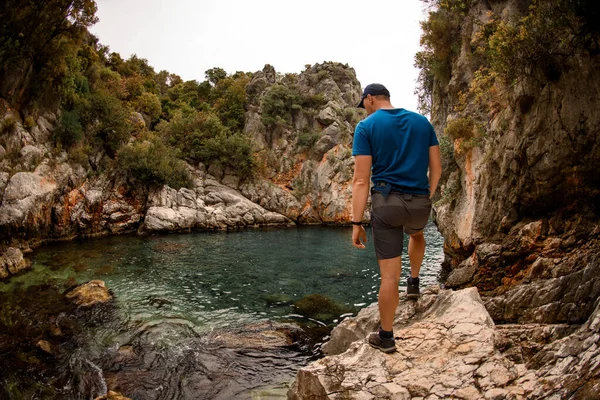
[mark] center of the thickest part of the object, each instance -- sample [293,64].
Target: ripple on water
[174,292]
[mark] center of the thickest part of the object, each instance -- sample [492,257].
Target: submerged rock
[319,307]
[90,293]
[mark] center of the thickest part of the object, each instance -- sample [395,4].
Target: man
[395,148]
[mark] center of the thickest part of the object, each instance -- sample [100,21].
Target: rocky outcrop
[210,205]
[519,206]
[307,156]
[449,347]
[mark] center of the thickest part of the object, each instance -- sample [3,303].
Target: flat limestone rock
[445,349]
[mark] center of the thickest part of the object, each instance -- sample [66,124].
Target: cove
[203,315]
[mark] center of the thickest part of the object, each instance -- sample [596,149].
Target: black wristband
[357,223]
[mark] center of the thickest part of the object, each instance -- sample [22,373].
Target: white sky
[378,38]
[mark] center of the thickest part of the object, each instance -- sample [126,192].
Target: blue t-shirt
[399,141]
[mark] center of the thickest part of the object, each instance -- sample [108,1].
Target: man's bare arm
[435,169]
[361,183]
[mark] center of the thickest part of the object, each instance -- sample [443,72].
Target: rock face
[210,205]
[448,347]
[307,157]
[519,209]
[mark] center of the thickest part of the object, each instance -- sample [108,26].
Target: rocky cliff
[448,347]
[305,159]
[519,203]
[512,89]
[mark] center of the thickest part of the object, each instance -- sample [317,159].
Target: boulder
[327,116]
[210,205]
[445,349]
[12,262]
[89,294]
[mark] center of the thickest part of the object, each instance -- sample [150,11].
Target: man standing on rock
[394,148]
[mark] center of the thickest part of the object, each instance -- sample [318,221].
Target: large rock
[89,294]
[12,262]
[445,348]
[210,205]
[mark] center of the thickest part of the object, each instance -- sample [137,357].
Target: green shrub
[307,139]
[80,154]
[460,128]
[151,163]
[149,104]
[108,120]
[234,151]
[70,130]
[446,147]
[231,105]
[277,105]
[8,124]
[29,122]
[188,132]
[441,41]
[314,101]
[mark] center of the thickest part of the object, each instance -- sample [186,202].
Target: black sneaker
[412,288]
[385,345]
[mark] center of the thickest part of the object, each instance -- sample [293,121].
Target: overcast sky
[378,38]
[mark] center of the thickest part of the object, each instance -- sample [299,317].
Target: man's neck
[385,106]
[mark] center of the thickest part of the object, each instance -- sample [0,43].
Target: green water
[222,279]
[172,291]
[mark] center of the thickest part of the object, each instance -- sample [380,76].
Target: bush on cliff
[201,136]
[277,106]
[149,162]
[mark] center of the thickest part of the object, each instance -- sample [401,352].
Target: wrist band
[357,223]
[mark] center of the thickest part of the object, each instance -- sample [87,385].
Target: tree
[214,75]
[31,33]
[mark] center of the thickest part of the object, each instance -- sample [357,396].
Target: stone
[327,116]
[26,184]
[89,294]
[12,262]
[45,346]
[441,340]
[112,395]
[31,155]
[463,273]
[2,152]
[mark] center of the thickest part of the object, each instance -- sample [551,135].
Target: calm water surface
[187,285]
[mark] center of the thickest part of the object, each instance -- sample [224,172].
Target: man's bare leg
[416,251]
[388,291]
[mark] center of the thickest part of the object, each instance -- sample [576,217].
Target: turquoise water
[223,279]
[174,292]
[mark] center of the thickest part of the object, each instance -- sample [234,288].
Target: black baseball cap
[374,89]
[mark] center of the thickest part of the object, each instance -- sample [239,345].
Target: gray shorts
[393,215]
